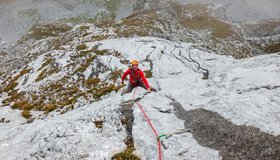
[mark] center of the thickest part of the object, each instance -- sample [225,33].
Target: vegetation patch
[127,154]
[50,108]
[12,84]
[85,65]
[79,20]
[23,105]
[99,37]
[84,28]
[103,91]
[148,73]
[92,82]
[137,24]
[26,114]
[115,75]
[272,48]
[47,72]
[48,30]
[98,123]
[81,47]
[201,19]
[47,62]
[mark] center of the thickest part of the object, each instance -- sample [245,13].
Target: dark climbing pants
[130,87]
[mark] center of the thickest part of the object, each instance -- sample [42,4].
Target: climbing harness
[152,127]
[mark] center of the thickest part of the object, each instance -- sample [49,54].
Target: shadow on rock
[232,141]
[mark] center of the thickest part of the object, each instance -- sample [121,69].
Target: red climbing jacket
[136,77]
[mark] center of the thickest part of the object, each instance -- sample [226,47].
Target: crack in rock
[268,87]
[127,120]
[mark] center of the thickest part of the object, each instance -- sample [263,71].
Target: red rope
[147,118]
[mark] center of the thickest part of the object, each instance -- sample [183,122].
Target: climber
[137,78]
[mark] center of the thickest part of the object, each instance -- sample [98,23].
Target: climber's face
[135,66]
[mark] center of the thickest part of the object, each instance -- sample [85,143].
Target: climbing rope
[147,118]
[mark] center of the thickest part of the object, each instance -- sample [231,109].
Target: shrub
[81,47]
[20,105]
[46,72]
[83,28]
[92,81]
[12,85]
[50,108]
[148,74]
[48,61]
[126,154]
[85,65]
[272,48]
[103,91]
[26,114]
[115,75]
